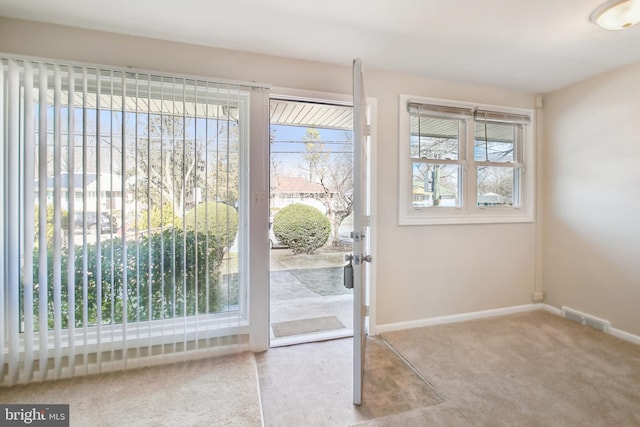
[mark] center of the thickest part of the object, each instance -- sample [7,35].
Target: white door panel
[361,225]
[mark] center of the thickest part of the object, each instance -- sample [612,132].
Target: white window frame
[468,212]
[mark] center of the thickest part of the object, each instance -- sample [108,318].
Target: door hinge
[366,310]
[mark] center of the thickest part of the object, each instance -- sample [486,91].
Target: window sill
[479,217]
[142,334]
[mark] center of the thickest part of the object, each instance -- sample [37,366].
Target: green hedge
[216,219]
[159,217]
[164,274]
[301,227]
[64,223]
[152,266]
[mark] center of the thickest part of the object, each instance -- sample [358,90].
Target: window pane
[147,189]
[436,185]
[434,138]
[496,186]
[494,142]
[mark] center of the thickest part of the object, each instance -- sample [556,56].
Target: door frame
[303,95]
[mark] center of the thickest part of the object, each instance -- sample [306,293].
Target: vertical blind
[122,231]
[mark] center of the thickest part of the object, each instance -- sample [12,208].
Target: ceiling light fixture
[617,14]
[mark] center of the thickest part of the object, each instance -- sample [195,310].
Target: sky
[288,146]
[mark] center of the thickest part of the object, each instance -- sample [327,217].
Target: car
[108,223]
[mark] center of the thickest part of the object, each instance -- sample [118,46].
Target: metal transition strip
[413,368]
[310,338]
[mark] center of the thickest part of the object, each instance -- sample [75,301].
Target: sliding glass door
[125,217]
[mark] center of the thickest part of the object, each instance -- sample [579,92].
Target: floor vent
[586,319]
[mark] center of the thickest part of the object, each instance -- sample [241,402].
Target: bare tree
[496,180]
[434,177]
[334,172]
[276,164]
[165,164]
[176,163]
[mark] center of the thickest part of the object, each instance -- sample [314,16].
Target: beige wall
[591,192]
[421,271]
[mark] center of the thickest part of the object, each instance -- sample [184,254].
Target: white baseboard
[550,309]
[619,333]
[453,318]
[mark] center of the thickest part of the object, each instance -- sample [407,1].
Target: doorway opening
[310,220]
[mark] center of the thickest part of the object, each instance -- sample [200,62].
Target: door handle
[358,259]
[348,273]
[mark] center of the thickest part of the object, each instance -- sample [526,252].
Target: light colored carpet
[306,326]
[220,391]
[390,386]
[528,369]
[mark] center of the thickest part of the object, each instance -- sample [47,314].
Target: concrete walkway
[292,300]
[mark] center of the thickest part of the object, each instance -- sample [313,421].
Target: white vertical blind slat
[162,213]
[174,262]
[135,162]
[57,214]
[237,102]
[206,197]
[125,281]
[226,178]
[151,272]
[71,191]
[43,279]
[3,209]
[219,129]
[183,208]
[195,203]
[29,222]
[147,226]
[110,255]
[85,249]
[13,220]
[98,191]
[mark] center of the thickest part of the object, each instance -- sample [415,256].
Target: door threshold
[309,338]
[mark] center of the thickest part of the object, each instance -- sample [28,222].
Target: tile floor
[311,384]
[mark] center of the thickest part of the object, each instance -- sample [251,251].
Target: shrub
[64,218]
[216,219]
[301,227]
[166,275]
[160,217]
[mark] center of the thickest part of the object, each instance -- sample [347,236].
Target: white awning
[314,115]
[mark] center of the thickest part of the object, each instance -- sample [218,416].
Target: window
[147,253]
[464,163]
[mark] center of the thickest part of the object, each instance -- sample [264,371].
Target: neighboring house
[286,190]
[110,191]
[422,198]
[493,199]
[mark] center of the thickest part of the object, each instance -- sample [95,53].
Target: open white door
[361,224]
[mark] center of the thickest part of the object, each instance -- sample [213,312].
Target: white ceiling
[535,45]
